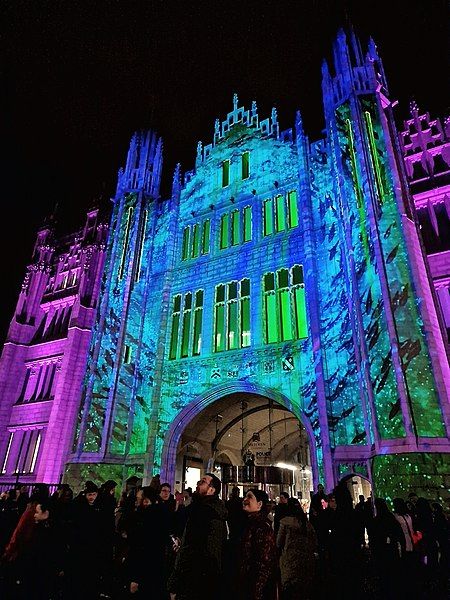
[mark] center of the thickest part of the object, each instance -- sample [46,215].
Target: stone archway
[194,408]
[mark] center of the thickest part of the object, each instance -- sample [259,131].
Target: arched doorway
[358,486]
[237,429]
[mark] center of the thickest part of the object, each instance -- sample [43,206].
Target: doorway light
[283,465]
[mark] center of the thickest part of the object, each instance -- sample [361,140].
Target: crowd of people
[156,545]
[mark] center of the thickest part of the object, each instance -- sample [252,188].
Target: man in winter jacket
[199,560]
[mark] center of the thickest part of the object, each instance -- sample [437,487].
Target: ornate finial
[235,101]
[254,109]
[176,181]
[217,127]
[325,70]
[413,107]
[274,116]
[199,151]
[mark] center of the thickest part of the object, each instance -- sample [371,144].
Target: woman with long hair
[258,562]
[297,544]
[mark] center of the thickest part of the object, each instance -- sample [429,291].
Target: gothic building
[283,279]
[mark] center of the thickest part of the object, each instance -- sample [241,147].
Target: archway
[358,485]
[228,423]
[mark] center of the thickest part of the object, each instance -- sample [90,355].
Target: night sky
[80,77]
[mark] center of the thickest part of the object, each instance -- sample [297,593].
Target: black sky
[80,77]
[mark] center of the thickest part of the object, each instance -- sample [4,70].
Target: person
[148,538]
[360,514]
[166,498]
[258,561]
[385,543]
[280,511]
[408,580]
[34,566]
[198,565]
[89,545]
[297,545]
[9,517]
[187,496]
[237,517]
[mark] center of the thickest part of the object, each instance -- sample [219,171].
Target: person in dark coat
[148,539]
[88,548]
[281,510]
[33,567]
[198,565]
[258,561]
[386,542]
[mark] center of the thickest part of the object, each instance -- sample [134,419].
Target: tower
[113,421]
[392,336]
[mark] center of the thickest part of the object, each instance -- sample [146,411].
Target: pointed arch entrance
[235,419]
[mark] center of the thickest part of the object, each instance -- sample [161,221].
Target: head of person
[361,498]
[131,483]
[400,506]
[320,489]
[164,493]
[40,493]
[91,492]
[284,498]
[42,512]
[109,487]
[148,496]
[381,507]
[209,485]
[295,510]
[256,501]
[332,502]
[235,492]
[413,497]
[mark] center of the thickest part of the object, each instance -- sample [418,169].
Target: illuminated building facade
[283,270]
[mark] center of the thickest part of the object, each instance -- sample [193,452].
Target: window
[224,231]
[196,240]
[225,173]
[247,223]
[235,228]
[280,213]
[232,315]
[246,165]
[187,318]
[284,305]
[206,232]
[185,248]
[141,245]
[126,240]
[268,216]
[39,383]
[292,209]
[22,451]
[127,352]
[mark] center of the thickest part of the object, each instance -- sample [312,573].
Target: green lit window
[126,241]
[268,216]
[232,316]
[198,318]
[247,219]
[187,320]
[141,245]
[224,231]
[127,354]
[186,325]
[245,313]
[206,232]
[185,248]
[195,250]
[246,165]
[235,228]
[374,156]
[175,327]
[292,209]
[284,305]
[219,319]
[225,173]
[280,213]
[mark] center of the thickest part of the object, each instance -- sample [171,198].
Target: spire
[142,171]
[176,181]
[235,101]
[199,156]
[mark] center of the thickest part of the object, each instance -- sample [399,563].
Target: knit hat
[90,487]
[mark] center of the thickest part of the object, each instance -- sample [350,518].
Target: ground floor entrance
[248,440]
